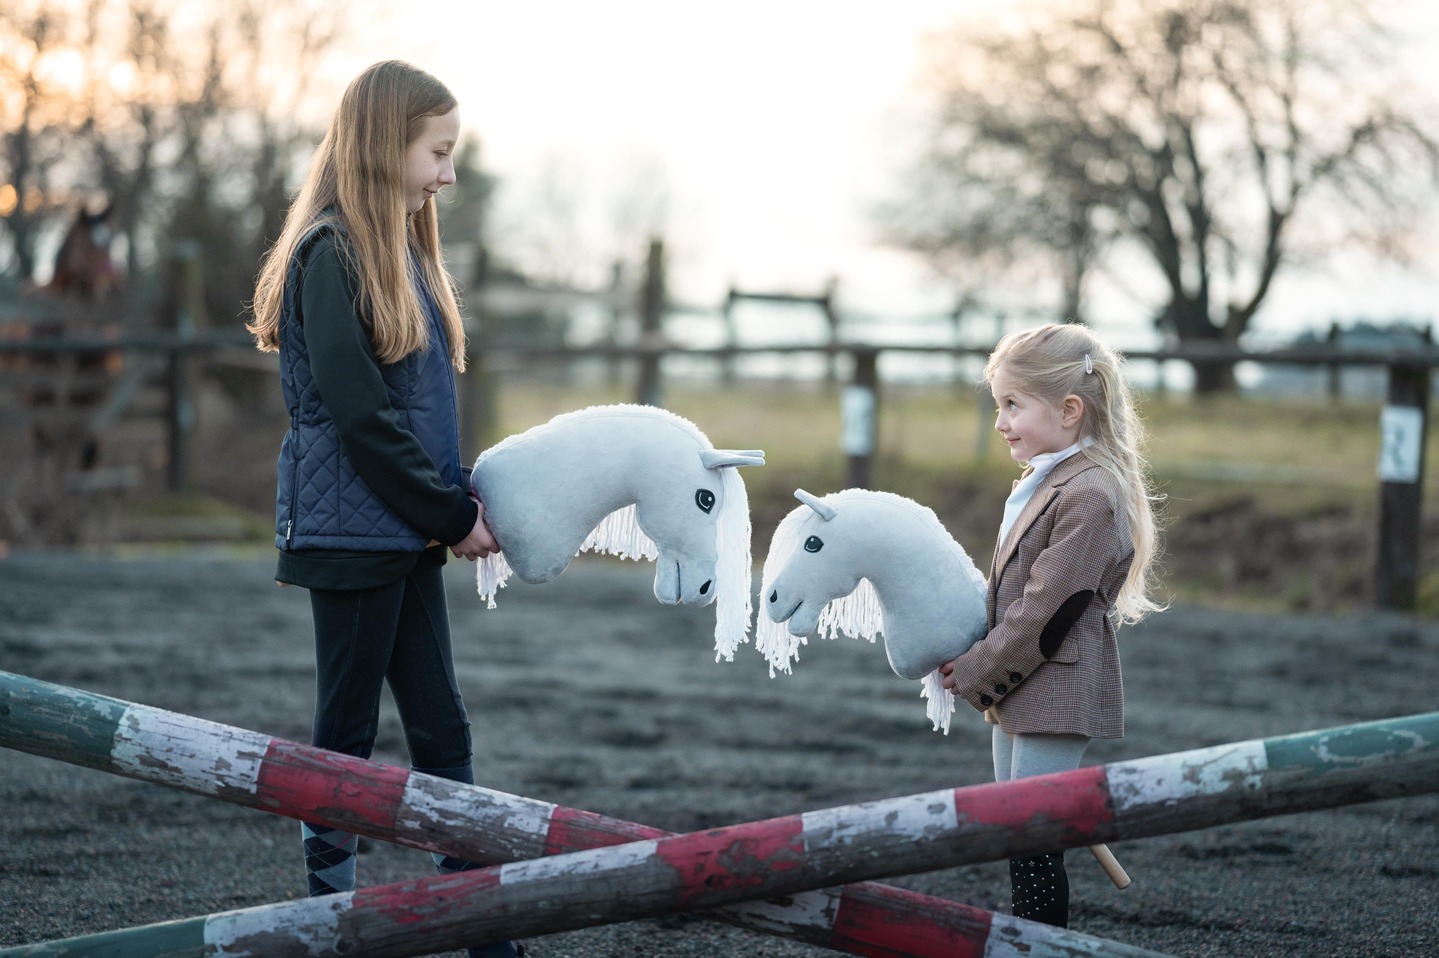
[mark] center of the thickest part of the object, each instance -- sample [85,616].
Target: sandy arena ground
[586,692]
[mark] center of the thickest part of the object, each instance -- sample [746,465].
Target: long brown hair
[356,179]
[1055,361]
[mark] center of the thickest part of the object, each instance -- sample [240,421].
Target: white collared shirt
[1039,467]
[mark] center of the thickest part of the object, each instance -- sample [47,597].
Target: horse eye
[704,499]
[813,544]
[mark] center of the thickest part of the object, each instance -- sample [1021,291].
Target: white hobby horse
[867,563]
[627,480]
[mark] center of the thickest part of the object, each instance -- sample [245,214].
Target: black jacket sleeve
[386,455]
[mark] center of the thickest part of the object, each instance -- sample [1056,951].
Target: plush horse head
[868,563]
[633,481]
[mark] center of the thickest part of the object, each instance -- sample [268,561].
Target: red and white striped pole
[470,822]
[787,855]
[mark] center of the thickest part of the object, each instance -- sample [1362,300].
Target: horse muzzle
[684,581]
[792,610]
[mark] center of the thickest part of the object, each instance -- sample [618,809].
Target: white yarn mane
[619,534]
[858,614]
[734,598]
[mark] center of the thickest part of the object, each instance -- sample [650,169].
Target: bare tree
[191,119]
[546,224]
[194,122]
[1217,141]
[32,132]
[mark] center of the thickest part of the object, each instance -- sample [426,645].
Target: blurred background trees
[195,120]
[1191,149]
[165,138]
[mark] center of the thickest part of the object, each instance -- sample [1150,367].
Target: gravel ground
[588,693]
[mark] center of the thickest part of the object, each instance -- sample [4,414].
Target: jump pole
[479,824]
[1136,799]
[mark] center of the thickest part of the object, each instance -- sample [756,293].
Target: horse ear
[825,510]
[717,458]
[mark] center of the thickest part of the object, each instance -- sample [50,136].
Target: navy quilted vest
[320,501]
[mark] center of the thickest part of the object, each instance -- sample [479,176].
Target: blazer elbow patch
[1057,628]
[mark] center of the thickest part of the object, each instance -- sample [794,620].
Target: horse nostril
[705,589]
[774,596]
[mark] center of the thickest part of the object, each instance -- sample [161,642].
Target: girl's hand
[947,671]
[480,542]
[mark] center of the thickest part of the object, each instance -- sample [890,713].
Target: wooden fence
[1403,423]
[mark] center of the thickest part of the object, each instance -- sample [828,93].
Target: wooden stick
[1111,865]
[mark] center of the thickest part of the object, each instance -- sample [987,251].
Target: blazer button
[1015,677]
[986,701]
[1001,688]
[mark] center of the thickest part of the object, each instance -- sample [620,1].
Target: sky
[770,129]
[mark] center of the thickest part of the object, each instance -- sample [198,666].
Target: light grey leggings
[1023,755]
[1039,886]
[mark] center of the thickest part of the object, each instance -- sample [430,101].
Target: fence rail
[1403,425]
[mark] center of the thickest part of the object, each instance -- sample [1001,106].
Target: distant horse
[75,381]
[633,481]
[868,563]
[83,266]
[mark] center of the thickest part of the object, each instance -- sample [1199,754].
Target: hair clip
[1088,364]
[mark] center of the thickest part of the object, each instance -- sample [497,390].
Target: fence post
[652,308]
[1403,425]
[616,323]
[731,335]
[831,321]
[859,417]
[1334,370]
[188,290]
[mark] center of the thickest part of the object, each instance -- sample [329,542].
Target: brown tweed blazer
[1049,662]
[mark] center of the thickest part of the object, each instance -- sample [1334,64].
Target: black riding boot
[1040,888]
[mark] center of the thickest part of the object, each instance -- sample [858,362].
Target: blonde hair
[356,181]
[1055,361]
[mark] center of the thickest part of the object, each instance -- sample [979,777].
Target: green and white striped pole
[782,856]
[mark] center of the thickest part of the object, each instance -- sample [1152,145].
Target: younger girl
[1074,558]
[357,302]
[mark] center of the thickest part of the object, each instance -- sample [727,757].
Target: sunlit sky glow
[771,127]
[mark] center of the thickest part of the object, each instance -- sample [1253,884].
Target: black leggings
[400,633]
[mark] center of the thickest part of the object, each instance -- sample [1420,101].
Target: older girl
[356,300]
